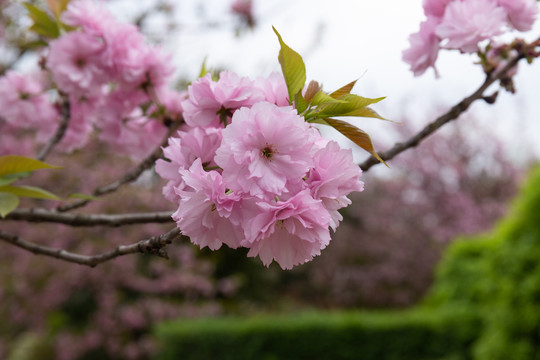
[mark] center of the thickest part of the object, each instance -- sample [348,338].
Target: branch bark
[65,113]
[154,245]
[50,216]
[129,176]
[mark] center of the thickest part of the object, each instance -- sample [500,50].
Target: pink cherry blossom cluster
[113,79]
[248,171]
[462,25]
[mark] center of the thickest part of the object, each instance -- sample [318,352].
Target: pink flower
[424,48]
[197,143]
[171,100]
[291,232]
[466,23]
[264,149]
[333,177]
[435,7]
[207,213]
[521,13]
[76,63]
[90,15]
[242,7]
[212,103]
[136,136]
[274,89]
[24,104]
[79,125]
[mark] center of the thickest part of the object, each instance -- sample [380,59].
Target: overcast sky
[342,40]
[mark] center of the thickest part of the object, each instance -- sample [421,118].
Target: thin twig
[65,114]
[452,114]
[154,245]
[114,220]
[128,177]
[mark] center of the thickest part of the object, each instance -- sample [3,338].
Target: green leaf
[356,135]
[10,178]
[204,69]
[82,196]
[300,103]
[13,164]
[43,24]
[344,90]
[351,106]
[29,191]
[322,98]
[8,203]
[293,68]
[366,112]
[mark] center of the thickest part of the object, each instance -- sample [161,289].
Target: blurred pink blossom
[521,13]
[424,47]
[466,23]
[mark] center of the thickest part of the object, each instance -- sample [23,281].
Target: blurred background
[383,268]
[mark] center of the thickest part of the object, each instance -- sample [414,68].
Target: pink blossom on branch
[265,149]
[75,60]
[207,211]
[333,177]
[435,7]
[424,48]
[291,232]
[466,23]
[212,102]
[521,13]
[182,151]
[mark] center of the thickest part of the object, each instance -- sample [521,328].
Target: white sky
[342,40]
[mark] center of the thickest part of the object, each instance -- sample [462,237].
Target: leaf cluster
[47,23]
[320,107]
[13,168]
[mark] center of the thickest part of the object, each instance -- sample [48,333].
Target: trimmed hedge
[418,335]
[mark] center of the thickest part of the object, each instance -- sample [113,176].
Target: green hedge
[418,335]
[497,275]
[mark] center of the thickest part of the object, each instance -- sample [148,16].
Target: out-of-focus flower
[424,47]
[521,13]
[466,23]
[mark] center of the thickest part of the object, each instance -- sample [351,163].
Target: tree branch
[65,112]
[114,220]
[154,245]
[452,114]
[129,176]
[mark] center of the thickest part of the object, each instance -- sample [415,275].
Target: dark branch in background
[50,216]
[154,245]
[453,113]
[128,177]
[65,114]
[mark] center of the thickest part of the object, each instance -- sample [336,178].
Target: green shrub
[498,276]
[419,335]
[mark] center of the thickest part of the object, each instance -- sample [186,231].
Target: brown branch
[154,245]
[452,114]
[65,112]
[114,220]
[129,176]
